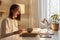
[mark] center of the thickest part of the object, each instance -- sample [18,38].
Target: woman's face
[15,12]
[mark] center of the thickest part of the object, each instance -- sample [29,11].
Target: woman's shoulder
[5,19]
[9,19]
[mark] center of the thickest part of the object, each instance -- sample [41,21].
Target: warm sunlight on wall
[22,8]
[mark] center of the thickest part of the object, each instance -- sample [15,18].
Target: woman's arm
[5,29]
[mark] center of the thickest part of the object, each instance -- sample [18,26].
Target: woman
[9,27]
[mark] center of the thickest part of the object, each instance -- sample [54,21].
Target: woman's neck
[13,17]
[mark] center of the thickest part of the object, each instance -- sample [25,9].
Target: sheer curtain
[48,8]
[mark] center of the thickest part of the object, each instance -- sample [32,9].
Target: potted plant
[55,22]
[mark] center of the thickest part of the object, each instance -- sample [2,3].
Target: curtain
[48,8]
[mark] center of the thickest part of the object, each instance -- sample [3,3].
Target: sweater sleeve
[4,27]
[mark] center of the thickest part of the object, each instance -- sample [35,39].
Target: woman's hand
[18,32]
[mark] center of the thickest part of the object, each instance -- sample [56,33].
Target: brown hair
[13,7]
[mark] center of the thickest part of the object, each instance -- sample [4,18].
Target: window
[49,7]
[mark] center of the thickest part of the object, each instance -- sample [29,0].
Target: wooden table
[55,36]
